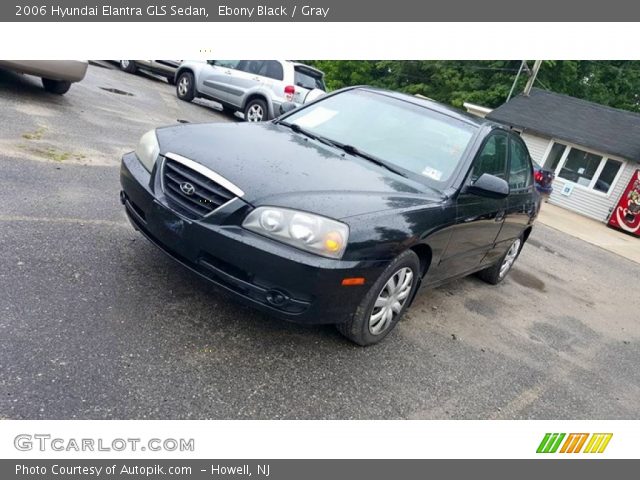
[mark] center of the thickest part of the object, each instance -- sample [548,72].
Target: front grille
[189,192]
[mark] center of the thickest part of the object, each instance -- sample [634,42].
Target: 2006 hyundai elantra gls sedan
[337,211]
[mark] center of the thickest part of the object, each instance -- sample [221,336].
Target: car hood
[275,166]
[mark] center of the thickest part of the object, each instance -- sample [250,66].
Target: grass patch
[52,153]
[35,135]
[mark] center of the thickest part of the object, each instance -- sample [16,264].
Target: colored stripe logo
[574,443]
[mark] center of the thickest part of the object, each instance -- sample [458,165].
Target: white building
[593,149]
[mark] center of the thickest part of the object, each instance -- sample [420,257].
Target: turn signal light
[349,282]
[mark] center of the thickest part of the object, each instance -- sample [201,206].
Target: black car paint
[455,232]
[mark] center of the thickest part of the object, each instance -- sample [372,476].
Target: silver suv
[255,87]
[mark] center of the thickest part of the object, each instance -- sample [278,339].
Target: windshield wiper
[350,149]
[298,129]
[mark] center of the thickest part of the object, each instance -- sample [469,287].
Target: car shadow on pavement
[201,303]
[30,86]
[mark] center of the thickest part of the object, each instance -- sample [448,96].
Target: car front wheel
[498,272]
[385,302]
[59,87]
[184,87]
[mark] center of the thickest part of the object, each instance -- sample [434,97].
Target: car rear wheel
[59,87]
[256,111]
[386,301]
[128,66]
[184,87]
[498,272]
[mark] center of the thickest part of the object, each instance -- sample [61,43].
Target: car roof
[436,107]
[308,67]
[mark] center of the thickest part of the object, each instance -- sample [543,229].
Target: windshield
[415,138]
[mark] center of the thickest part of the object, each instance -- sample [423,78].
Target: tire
[59,87]
[495,274]
[369,324]
[256,111]
[128,66]
[185,87]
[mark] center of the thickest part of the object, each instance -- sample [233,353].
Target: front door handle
[228,72]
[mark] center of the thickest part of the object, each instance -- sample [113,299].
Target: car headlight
[307,231]
[148,149]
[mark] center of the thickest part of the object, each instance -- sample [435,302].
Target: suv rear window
[309,79]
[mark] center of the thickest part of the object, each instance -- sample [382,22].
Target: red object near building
[626,215]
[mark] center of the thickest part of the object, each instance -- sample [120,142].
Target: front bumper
[276,278]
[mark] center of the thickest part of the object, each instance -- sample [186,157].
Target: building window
[587,169]
[580,167]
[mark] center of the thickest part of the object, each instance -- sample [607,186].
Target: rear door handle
[228,72]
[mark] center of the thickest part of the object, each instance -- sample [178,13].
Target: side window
[520,170]
[492,159]
[271,69]
[251,66]
[225,63]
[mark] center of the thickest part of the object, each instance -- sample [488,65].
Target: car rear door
[478,219]
[249,77]
[521,203]
[215,79]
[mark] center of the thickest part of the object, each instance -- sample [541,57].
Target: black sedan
[337,211]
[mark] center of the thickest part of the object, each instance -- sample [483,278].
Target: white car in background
[255,87]
[163,68]
[57,75]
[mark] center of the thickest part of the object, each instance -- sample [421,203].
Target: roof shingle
[598,127]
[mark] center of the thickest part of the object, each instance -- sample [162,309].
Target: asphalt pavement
[96,323]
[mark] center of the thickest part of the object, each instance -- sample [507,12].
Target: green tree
[613,83]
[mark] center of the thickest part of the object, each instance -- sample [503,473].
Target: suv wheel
[128,66]
[59,87]
[256,111]
[385,302]
[184,87]
[498,272]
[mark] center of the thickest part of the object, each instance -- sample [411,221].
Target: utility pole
[522,64]
[532,77]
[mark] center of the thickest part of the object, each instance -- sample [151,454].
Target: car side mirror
[489,186]
[287,107]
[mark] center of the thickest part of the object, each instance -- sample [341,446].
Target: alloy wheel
[183,85]
[124,64]
[390,300]
[255,113]
[511,256]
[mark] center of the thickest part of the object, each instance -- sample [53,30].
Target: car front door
[521,203]
[215,79]
[478,219]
